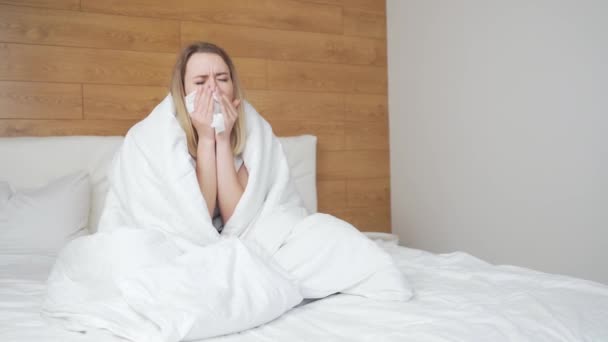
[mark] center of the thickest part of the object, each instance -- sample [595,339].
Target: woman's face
[208,69]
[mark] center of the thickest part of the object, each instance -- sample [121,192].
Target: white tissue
[218,123]
[189,100]
[218,117]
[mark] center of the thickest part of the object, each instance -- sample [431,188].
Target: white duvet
[158,270]
[458,298]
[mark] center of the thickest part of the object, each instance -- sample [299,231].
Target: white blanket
[158,270]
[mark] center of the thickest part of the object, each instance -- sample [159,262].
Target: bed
[457,296]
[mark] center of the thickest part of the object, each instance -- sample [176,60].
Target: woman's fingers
[200,90]
[203,112]
[208,112]
[228,108]
[198,101]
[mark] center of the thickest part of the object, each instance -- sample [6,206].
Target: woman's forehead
[205,64]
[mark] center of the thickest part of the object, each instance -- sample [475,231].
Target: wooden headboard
[94,67]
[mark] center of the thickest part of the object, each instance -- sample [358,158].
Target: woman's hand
[202,115]
[231,114]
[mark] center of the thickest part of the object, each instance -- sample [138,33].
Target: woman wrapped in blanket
[206,73]
[203,232]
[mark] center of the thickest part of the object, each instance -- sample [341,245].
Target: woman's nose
[212,82]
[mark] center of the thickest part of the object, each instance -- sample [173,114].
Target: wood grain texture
[252,72]
[364,24]
[293,113]
[16,128]
[68,28]
[370,219]
[368,193]
[326,77]
[96,67]
[57,4]
[336,165]
[82,65]
[331,195]
[327,2]
[26,100]
[136,8]
[368,5]
[109,102]
[366,122]
[276,14]
[287,45]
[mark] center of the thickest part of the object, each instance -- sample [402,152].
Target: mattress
[457,298]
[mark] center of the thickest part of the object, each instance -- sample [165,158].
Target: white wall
[499,130]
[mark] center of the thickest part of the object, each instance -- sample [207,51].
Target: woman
[158,269]
[207,70]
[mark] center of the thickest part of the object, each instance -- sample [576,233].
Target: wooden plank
[366,122]
[109,102]
[276,14]
[288,45]
[327,2]
[69,28]
[337,212]
[141,8]
[82,65]
[370,219]
[365,24]
[339,165]
[368,5]
[17,128]
[98,66]
[366,136]
[57,4]
[331,195]
[326,140]
[24,100]
[368,193]
[252,72]
[326,77]
[293,113]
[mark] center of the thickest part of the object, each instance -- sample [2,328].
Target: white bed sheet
[458,298]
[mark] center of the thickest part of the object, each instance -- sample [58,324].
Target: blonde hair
[178,92]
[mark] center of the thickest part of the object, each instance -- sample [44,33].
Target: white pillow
[41,221]
[301,154]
